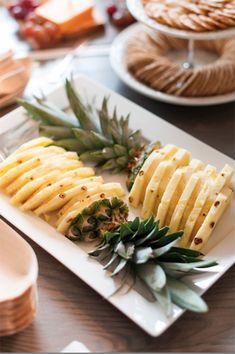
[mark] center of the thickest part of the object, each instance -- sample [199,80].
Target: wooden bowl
[18,277]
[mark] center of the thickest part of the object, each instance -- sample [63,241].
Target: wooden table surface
[69,310]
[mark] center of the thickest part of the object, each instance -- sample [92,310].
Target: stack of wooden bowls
[18,276]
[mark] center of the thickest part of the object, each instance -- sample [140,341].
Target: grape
[111,9]
[27,4]
[18,12]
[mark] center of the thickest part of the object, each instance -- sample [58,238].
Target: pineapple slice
[46,192]
[223,179]
[42,141]
[114,188]
[185,197]
[194,166]
[81,189]
[27,190]
[221,202]
[174,190]
[142,179]
[39,171]
[160,180]
[196,203]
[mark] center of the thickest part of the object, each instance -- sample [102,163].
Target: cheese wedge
[174,190]
[159,181]
[217,209]
[196,203]
[142,179]
[66,14]
[223,179]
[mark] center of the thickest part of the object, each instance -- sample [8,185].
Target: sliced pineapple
[114,188]
[222,180]
[46,192]
[221,202]
[174,191]
[184,199]
[196,203]
[81,189]
[160,180]
[27,190]
[142,179]
[42,141]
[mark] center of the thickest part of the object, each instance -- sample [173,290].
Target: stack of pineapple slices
[182,193]
[48,180]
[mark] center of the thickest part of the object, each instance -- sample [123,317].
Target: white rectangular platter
[148,316]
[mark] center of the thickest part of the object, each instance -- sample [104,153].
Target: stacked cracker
[192,15]
[52,182]
[147,60]
[182,193]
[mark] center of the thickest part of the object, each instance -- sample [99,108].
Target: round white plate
[118,63]
[137,10]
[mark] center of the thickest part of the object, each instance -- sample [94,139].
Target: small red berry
[18,12]
[111,9]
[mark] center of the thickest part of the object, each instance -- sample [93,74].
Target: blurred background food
[14,74]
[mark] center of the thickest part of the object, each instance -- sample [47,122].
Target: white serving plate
[148,316]
[137,10]
[118,63]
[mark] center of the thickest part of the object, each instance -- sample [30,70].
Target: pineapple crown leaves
[109,142]
[98,218]
[150,253]
[95,134]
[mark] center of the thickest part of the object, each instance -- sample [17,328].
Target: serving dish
[117,59]
[221,247]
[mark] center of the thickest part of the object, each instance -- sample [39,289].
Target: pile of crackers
[192,15]
[148,62]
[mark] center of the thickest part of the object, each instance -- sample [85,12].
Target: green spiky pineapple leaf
[97,135]
[151,254]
